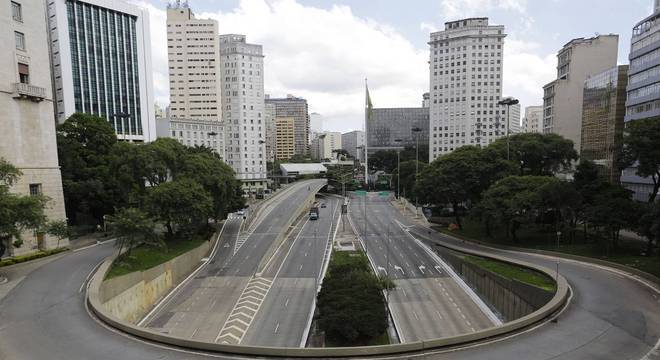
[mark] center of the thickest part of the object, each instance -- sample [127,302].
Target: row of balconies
[27,91]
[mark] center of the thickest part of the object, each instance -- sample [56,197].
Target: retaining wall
[510,298]
[130,297]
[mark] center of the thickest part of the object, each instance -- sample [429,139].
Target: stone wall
[130,297]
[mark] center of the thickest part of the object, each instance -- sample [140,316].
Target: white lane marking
[421,269]
[277,327]
[415,314]
[400,269]
[286,303]
[440,316]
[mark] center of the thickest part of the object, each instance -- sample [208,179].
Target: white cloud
[469,8]
[525,72]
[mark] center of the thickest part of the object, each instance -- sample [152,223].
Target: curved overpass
[611,316]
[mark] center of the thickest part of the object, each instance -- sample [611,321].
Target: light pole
[416,130]
[398,168]
[508,101]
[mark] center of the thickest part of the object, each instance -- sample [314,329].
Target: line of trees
[138,186]
[522,191]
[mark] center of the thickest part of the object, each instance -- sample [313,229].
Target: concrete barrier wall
[510,298]
[131,296]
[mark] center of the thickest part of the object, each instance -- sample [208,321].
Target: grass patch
[513,272]
[146,257]
[37,255]
[540,238]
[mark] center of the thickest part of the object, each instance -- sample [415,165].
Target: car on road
[323,205]
[240,212]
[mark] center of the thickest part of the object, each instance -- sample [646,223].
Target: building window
[16,11]
[20,40]
[35,189]
[23,73]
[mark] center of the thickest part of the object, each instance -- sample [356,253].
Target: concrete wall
[131,296]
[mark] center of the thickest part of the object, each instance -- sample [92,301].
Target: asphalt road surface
[611,317]
[427,303]
[284,317]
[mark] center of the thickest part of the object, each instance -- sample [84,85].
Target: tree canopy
[641,150]
[537,154]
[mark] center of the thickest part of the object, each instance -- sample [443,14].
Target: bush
[37,255]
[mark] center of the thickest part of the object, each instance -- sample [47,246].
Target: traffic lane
[306,256]
[610,316]
[44,317]
[284,316]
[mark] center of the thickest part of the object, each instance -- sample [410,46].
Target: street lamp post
[398,169]
[416,130]
[508,101]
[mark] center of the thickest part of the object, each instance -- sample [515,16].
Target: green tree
[460,177]
[407,177]
[18,213]
[59,229]
[182,204]
[84,143]
[642,151]
[514,201]
[537,154]
[613,210]
[564,201]
[649,226]
[131,227]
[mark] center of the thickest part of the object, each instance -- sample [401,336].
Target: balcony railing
[27,91]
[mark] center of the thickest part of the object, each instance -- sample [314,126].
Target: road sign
[383,193]
[360,193]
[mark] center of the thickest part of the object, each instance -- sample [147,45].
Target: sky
[324,50]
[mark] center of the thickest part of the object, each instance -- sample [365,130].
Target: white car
[240,212]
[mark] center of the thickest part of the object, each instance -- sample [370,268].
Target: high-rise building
[562,98]
[603,110]
[193,58]
[27,129]
[514,119]
[192,132]
[271,131]
[352,142]
[285,138]
[101,58]
[296,108]
[532,120]
[387,125]
[316,122]
[324,145]
[643,90]
[159,113]
[243,109]
[466,83]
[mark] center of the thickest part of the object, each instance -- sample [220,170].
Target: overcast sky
[323,50]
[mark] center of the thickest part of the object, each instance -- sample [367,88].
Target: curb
[3,280]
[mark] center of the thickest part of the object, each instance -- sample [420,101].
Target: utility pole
[416,130]
[508,101]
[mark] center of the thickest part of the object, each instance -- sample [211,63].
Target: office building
[193,132]
[316,122]
[562,98]
[193,58]
[532,121]
[514,119]
[27,129]
[603,110]
[465,69]
[643,92]
[297,108]
[243,109]
[386,125]
[271,131]
[285,138]
[325,144]
[101,58]
[353,142]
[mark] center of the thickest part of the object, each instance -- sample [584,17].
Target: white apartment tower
[193,56]
[465,85]
[533,120]
[101,57]
[243,108]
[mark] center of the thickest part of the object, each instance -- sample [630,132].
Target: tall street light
[416,130]
[398,168]
[508,101]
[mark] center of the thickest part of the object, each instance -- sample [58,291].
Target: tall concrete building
[271,132]
[27,129]
[514,119]
[324,145]
[193,132]
[562,98]
[285,138]
[193,58]
[603,109]
[351,142]
[101,58]
[466,84]
[243,109]
[296,108]
[643,90]
[387,125]
[533,119]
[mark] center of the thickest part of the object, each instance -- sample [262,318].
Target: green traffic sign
[360,193]
[384,193]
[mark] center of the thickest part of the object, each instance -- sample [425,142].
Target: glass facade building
[603,110]
[385,125]
[102,64]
